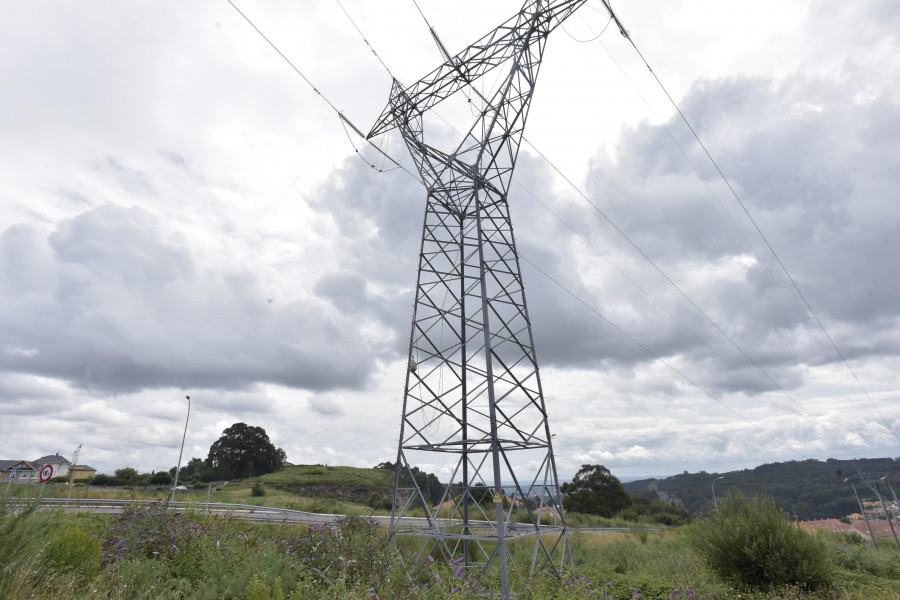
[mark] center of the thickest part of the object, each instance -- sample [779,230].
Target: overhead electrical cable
[364,39]
[734,193]
[689,299]
[659,358]
[339,113]
[714,195]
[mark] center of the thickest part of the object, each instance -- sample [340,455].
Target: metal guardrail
[243,509]
[219,506]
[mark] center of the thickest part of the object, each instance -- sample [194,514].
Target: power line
[364,39]
[686,296]
[659,358]
[734,193]
[344,120]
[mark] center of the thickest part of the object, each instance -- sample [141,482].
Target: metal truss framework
[473,399]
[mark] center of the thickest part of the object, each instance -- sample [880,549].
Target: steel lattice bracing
[473,400]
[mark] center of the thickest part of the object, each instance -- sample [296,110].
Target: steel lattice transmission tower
[473,400]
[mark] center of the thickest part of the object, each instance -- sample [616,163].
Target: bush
[257,490]
[160,478]
[102,479]
[752,543]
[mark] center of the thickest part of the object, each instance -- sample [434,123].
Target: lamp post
[716,502]
[863,511]
[178,468]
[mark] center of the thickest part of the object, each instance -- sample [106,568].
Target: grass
[152,553]
[304,477]
[312,488]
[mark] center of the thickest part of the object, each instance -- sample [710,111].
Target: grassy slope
[313,488]
[305,477]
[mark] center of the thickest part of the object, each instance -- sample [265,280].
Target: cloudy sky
[180,213]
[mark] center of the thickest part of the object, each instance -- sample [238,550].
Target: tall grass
[155,553]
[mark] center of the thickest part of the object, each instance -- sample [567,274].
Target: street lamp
[178,468]
[716,502]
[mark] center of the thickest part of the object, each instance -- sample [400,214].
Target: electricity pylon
[473,400]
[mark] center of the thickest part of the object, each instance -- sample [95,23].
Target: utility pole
[181,452]
[72,473]
[716,502]
[863,511]
[473,401]
[894,494]
[876,488]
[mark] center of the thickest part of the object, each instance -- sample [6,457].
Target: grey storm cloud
[113,301]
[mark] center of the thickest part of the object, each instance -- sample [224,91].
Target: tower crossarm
[480,58]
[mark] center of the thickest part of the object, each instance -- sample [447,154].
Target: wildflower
[459,572]
[430,558]
[454,590]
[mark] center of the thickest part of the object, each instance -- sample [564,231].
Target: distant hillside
[809,489]
[346,483]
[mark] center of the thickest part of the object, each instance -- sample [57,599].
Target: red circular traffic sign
[46,473]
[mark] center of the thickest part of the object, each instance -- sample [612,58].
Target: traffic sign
[46,473]
[14,473]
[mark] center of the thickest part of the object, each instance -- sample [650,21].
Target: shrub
[751,542]
[257,490]
[160,478]
[107,480]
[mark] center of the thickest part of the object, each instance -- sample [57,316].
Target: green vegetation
[243,451]
[430,485]
[752,543]
[152,553]
[808,489]
[645,510]
[595,491]
[313,488]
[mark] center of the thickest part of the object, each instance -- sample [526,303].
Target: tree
[127,476]
[595,491]
[191,470]
[160,478]
[243,451]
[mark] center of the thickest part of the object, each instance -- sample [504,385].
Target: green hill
[345,483]
[809,489]
[315,488]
